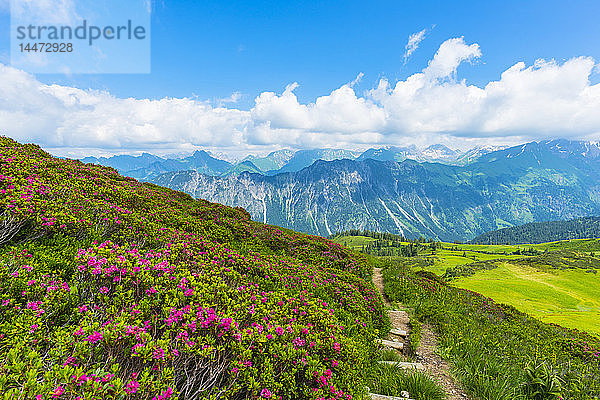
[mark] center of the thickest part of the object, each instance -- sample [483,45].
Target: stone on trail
[375,396]
[389,343]
[398,332]
[404,365]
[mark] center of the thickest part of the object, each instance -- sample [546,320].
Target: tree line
[542,232]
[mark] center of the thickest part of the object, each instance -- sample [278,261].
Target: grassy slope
[566,297]
[110,288]
[496,351]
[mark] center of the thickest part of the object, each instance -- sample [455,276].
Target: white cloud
[61,116]
[449,56]
[527,102]
[339,112]
[432,100]
[414,40]
[234,98]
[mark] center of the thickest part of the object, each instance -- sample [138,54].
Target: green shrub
[389,355]
[540,383]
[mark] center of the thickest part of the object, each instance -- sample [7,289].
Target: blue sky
[211,49]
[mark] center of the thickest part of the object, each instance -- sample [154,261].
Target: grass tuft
[391,380]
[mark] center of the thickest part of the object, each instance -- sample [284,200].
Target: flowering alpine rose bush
[114,289]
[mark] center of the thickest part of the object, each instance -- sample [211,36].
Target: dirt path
[378,282]
[425,354]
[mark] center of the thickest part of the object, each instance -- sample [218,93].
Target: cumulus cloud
[61,116]
[341,111]
[527,102]
[414,40]
[449,56]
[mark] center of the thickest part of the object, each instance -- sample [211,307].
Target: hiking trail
[426,357]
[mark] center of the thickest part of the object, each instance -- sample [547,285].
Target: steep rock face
[533,182]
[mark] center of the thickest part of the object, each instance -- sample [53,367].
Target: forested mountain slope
[541,232]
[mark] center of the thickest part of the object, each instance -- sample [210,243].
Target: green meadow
[570,298]
[557,282]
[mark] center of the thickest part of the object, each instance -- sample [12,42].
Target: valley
[557,282]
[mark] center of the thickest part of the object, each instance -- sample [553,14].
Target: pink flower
[151,290]
[70,360]
[103,289]
[57,392]
[94,337]
[132,387]
[159,354]
[266,393]
[165,395]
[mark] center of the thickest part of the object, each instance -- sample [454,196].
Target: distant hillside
[541,232]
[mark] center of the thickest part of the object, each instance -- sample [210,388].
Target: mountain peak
[201,154]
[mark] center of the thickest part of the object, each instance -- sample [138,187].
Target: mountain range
[537,181]
[147,166]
